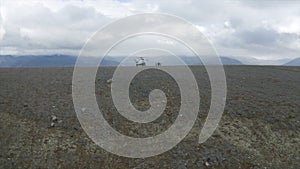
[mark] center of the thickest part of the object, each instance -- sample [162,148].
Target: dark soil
[260,127]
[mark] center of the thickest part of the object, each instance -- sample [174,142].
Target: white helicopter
[140,61]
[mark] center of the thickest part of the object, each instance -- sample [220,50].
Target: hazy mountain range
[69,61]
[294,62]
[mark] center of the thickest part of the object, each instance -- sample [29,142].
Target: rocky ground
[259,128]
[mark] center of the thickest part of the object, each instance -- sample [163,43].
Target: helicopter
[140,61]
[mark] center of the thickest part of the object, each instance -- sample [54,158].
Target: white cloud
[261,29]
[2,30]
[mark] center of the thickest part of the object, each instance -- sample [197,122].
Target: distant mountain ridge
[47,61]
[69,61]
[230,61]
[294,62]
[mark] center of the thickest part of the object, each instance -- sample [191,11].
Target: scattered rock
[109,81]
[227,123]
[53,118]
[206,163]
[244,148]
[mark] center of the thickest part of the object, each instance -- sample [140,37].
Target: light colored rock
[109,81]
[53,118]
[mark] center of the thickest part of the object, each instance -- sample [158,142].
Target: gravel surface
[260,127]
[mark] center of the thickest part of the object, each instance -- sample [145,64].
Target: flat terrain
[260,127]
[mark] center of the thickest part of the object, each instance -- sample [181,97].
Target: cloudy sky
[264,30]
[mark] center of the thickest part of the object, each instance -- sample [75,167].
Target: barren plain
[260,127]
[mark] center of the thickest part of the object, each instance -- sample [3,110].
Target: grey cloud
[38,27]
[265,4]
[70,17]
[252,27]
[259,36]
[235,22]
